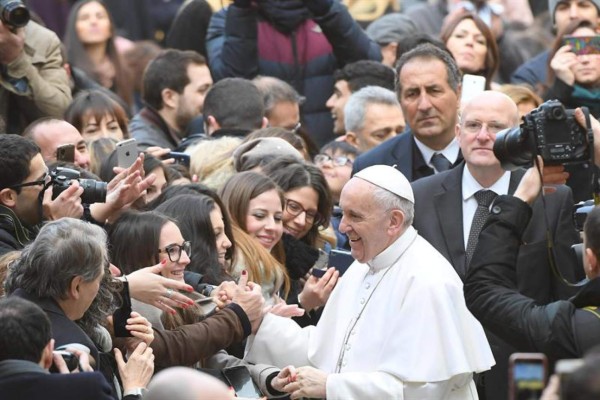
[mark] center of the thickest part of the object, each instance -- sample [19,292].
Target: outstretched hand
[531,184]
[148,286]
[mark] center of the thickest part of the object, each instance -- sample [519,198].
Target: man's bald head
[186,384]
[482,118]
[496,99]
[50,133]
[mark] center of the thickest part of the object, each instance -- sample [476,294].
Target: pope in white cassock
[395,326]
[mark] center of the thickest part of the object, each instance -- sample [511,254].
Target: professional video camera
[550,131]
[93,191]
[14,13]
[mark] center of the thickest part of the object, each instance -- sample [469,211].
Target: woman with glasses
[255,204]
[140,239]
[306,213]
[205,222]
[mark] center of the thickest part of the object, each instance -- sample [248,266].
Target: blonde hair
[521,94]
[212,161]
[259,263]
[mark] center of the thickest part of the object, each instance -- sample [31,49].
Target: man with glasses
[450,209]
[23,201]
[282,102]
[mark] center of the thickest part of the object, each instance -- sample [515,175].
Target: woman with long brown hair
[90,42]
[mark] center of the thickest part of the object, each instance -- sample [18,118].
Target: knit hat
[250,153]
[391,28]
[553,3]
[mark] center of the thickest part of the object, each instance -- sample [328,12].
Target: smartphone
[239,378]
[340,260]
[122,314]
[472,85]
[564,368]
[581,45]
[180,158]
[127,153]
[66,153]
[527,375]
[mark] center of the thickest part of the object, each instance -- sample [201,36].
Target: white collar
[450,151]
[470,186]
[392,253]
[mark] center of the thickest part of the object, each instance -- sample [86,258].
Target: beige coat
[47,91]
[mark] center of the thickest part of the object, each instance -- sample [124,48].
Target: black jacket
[64,331]
[562,329]
[20,380]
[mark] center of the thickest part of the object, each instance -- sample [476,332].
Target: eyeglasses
[339,161]
[295,128]
[174,250]
[43,181]
[475,127]
[294,208]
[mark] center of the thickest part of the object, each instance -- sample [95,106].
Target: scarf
[285,15]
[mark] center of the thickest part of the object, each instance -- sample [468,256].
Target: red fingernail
[244,272]
[190,289]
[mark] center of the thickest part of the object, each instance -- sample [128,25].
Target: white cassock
[397,328]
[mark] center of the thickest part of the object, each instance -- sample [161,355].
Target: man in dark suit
[449,214]
[428,88]
[26,354]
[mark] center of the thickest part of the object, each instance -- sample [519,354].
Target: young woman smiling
[255,204]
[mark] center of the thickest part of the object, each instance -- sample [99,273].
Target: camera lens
[15,13]
[558,113]
[93,191]
[512,149]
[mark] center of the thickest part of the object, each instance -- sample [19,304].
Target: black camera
[14,13]
[550,131]
[93,191]
[71,360]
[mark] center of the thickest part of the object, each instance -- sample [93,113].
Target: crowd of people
[175,175]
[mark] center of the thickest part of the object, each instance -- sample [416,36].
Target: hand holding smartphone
[582,45]
[338,259]
[127,153]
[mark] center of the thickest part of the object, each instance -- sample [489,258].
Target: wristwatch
[139,392]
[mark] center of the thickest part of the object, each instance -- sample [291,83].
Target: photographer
[23,176]
[562,329]
[26,354]
[33,82]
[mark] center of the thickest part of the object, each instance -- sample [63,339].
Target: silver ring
[169,293]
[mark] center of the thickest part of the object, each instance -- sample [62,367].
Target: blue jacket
[533,71]
[241,44]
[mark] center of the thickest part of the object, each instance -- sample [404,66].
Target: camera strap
[595,192]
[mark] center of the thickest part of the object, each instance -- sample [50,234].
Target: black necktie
[484,199]
[440,162]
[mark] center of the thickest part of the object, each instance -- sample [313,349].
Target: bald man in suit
[446,208]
